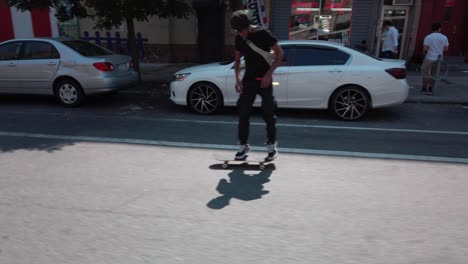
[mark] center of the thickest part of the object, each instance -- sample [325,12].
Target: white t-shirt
[436,43]
[390,39]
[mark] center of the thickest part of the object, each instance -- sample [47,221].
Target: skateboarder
[255,44]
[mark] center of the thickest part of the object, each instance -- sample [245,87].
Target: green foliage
[108,14]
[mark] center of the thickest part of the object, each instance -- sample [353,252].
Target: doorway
[399,16]
[210,32]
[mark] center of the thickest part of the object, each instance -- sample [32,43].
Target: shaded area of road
[439,130]
[293,134]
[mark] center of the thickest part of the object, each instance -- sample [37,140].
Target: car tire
[350,103]
[204,98]
[69,92]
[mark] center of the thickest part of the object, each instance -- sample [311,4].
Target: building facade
[34,23]
[351,21]
[346,21]
[206,35]
[453,16]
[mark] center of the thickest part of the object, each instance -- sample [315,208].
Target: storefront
[321,20]
[346,21]
[351,21]
[401,14]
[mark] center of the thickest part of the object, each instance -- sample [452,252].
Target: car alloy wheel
[69,92]
[204,98]
[350,103]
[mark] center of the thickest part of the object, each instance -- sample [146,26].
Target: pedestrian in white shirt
[390,40]
[435,44]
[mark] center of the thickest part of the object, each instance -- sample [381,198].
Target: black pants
[245,103]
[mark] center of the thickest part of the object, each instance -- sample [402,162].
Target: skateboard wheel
[225,166]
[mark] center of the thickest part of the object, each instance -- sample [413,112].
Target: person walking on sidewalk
[255,44]
[390,40]
[435,44]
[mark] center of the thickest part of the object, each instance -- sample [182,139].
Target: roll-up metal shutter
[280,15]
[364,20]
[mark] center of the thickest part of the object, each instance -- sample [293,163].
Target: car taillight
[104,66]
[397,73]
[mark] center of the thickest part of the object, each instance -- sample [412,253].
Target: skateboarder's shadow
[240,186]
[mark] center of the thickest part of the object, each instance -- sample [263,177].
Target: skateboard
[229,159]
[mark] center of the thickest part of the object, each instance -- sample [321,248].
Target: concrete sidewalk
[452,91]
[134,204]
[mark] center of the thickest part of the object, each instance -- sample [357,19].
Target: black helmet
[240,20]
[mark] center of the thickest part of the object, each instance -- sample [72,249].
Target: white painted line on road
[234,147]
[219,122]
[326,127]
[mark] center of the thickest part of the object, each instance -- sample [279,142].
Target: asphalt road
[408,130]
[131,179]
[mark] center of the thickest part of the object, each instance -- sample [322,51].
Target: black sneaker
[242,153]
[272,152]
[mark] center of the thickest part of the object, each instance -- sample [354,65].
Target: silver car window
[87,49]
[10,51]
[39,50]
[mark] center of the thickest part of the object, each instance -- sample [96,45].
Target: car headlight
[181,77]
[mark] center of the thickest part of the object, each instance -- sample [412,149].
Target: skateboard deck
[229,159]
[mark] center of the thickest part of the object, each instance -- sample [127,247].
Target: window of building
[321,20]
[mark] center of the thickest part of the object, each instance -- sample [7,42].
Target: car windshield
[87,49]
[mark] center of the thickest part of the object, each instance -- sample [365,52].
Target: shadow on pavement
[10,144]
[242,186]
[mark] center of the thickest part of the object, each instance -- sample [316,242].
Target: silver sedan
[68,69]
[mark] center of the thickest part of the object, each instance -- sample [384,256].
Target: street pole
[320,14]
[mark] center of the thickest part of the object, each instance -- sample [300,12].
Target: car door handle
[335,71]
[11,65]
[52,63]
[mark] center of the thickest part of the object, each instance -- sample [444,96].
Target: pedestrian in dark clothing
[363,46]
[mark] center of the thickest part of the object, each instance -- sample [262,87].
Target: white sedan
[314,75]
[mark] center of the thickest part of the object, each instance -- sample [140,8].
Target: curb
[436,101]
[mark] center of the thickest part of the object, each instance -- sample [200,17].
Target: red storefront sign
[305,7]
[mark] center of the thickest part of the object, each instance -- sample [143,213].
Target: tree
[108,14]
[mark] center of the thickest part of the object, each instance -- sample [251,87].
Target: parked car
[68,69]
[315,75]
